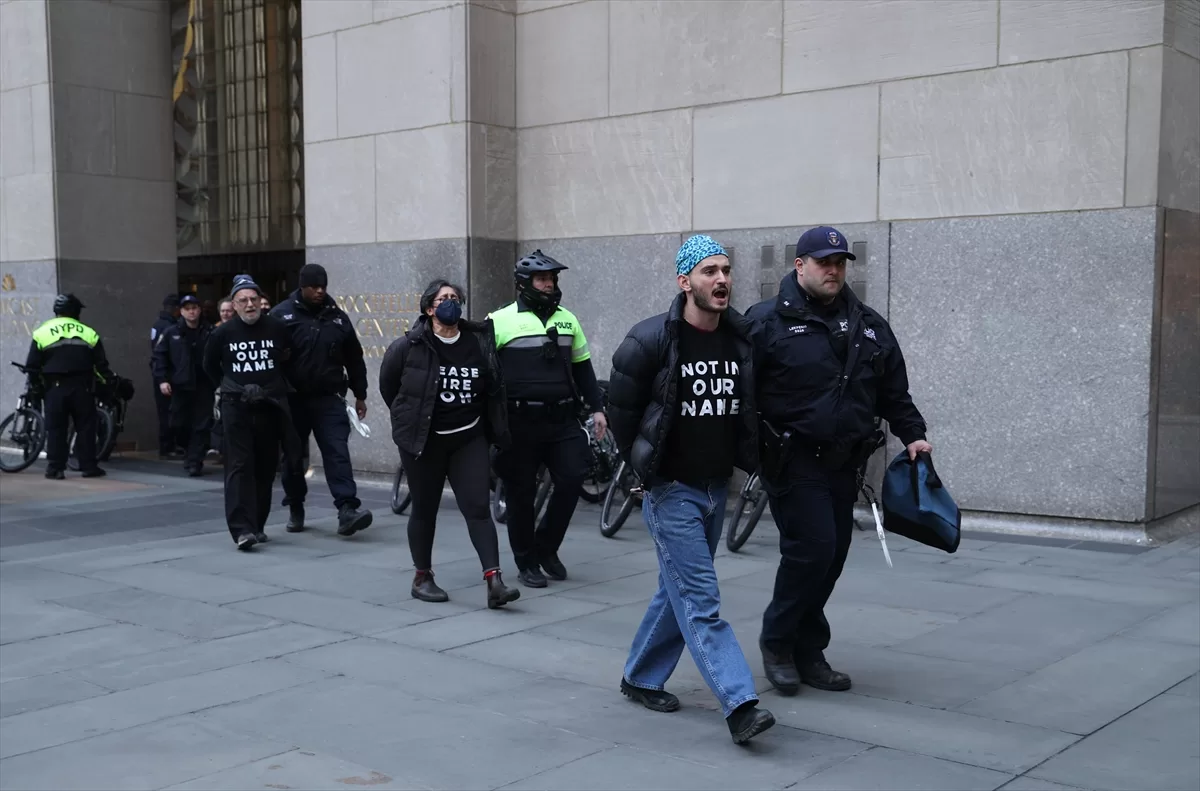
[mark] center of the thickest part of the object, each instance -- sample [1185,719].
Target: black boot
[747,721]
[351,520]
[780,670]
[532,577]
[55,475]
[499,594]
[295,518]
[820,675]
[653,699]
[425,589]
[94,472]
[553,568]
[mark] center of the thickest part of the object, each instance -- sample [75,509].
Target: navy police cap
[823,241]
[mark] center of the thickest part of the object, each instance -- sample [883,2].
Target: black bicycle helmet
[535,263]
[68,305]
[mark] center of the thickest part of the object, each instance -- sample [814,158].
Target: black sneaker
[532,577]
[351,520]
[246,541]
[553,568]
[747,721]
[295,518]
[261,537]
[820,675]
[653,699]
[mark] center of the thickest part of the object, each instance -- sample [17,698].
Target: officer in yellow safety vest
[548,377]
[68,355]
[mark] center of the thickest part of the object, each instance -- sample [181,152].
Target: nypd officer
[828,366]
[169,437]
[179,374]
[549,377]
[69,355]
[328,361]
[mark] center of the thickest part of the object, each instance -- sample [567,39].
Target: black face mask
[539,300]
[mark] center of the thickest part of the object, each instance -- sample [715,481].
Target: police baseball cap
[823,241]
[189,299]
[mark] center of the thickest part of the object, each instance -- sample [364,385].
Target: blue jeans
[685,523]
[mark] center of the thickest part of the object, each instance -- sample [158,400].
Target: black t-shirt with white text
[249,354]
[459,383]
[702,442]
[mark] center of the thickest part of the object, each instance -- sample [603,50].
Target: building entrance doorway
[210,277]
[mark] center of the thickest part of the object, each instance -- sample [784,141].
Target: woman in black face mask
[442,384]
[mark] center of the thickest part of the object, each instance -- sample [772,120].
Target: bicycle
[500,502]
[23,432]
[626,485]
[401,496]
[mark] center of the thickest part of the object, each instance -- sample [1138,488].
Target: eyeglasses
[439,300]
[247,301]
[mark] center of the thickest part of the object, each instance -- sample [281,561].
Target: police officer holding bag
[828,365]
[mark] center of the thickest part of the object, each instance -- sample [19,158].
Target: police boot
[55,475]
[820,675]
[95,472]
[295,522]
[499,594]
[425,589]
[554,568]
[351,520]
[780,670]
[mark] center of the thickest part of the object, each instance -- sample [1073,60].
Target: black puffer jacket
[408,384]
[643,393]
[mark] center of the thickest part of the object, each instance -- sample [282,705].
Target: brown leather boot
[425,589]
[499,594]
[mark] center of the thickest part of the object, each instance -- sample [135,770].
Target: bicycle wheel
[22,438]
[499,503]
[615,512]
[749,509]
[104,432]
[401,497]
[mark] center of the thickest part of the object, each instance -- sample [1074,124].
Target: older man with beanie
[248,357]
[681,407]
[328,361]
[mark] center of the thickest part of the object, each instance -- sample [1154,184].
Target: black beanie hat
[313,275]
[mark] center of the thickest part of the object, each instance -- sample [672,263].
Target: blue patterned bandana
[694,251]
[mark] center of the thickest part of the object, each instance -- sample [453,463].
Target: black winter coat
[643,396]
[173,360]
[327,355]
[408,383]
[802,384]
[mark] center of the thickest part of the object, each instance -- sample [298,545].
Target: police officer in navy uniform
[328,361]
[68,355]
[168,436]
[549,378]
[828,365]
[179,374]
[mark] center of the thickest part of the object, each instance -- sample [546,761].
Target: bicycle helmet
[535,263]
[68,305]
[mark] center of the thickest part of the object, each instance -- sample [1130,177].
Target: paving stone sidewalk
[139,650]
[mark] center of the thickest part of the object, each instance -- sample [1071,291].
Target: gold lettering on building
[379,319]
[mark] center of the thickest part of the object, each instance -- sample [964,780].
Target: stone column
[88,187]
[409,157]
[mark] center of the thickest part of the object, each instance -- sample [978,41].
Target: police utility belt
[563,409]
[778,447]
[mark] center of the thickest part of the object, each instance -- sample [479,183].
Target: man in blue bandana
[681,408]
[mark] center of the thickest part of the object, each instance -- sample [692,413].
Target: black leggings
[463,457]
